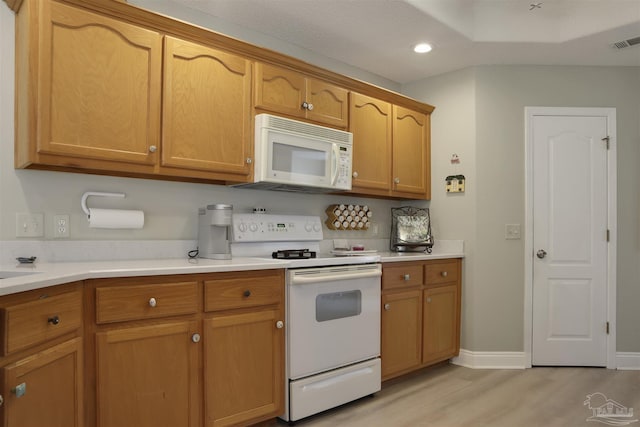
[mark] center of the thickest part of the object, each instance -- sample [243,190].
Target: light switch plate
[29,225]
[512,231]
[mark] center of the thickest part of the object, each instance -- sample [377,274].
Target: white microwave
[295,156]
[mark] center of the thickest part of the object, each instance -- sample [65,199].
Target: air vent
[626,43]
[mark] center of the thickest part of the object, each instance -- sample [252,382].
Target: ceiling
[378,35]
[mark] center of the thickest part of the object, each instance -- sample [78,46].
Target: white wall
[495,276]
[170,207]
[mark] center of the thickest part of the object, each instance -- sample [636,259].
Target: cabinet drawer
[402,275]
[121,303]
[253,289]
[441,272]
[41,319]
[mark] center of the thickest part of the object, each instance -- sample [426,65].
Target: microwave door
[295,159]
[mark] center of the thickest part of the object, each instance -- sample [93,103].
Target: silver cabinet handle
[153,149]
[541,253]
[407,277]
[444,274]
[355,174]
[249,160]
[387,306]
[429,299]
[20,390]
[195,338]
[1,400]
[310,107]
[396,180]
[152,302]
[279,324]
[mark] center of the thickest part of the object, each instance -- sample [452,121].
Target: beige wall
[494,280]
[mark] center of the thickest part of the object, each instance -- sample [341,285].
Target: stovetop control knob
[253,227]
[242,227]
[308,227]
[316,227]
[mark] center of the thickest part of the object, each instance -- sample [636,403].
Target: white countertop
[44,274]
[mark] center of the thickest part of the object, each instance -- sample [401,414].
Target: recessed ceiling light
[422,48]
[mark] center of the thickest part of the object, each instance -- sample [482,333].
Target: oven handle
[330,277]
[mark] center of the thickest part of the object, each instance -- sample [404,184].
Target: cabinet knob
[279,324]
[396,180]
[407,277]
[429,299]
[19,390]
[246,293]
[444,274]
[54,320]
[387,306]
[307,106]
[310,107]
[355,174]
[152,302]
[153,148]
[195,338]
[249,160]
[1,400]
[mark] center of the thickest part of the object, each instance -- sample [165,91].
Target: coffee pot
[214,231]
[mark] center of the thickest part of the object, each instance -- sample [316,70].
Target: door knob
[541,253]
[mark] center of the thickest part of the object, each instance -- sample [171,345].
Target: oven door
[333,317]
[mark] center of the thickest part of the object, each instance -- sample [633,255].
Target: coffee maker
[214,231]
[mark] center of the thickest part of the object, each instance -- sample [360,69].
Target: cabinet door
[370,123]
[244,367]
[99,86]
[411,153]
[401,332]
[148,376]
[441,332]
[206,121]
[45,389]
[330,104]
[279,90]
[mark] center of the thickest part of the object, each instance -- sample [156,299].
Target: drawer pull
[387,306]
[152,302]
[195,338]
[407,277]
[429,299]
[246,293]
[279,324]
[53,320]
[19,390]
[444,274]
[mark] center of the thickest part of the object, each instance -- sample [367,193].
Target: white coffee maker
[214,231]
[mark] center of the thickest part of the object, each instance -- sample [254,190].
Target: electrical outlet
[61,226]
[29,225]
[512,231]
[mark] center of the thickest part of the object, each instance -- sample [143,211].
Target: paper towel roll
[115,218]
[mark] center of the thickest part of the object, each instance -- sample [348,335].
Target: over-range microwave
[292,155]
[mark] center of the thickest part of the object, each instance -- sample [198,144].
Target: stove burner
[294,254]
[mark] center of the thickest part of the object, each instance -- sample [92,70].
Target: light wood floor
[453,396]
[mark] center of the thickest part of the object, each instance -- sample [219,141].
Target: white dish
[338,252]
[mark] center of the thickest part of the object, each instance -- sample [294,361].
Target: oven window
[338,305]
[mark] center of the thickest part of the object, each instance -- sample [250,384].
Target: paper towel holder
[88,194]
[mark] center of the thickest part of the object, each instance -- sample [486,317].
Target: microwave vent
[287,187]
[281,123]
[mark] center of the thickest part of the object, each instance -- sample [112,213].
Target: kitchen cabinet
[92,98]
[420,314]
[391,149]
[371,124]
[411,169]
[244,348]
[192,350]
[41,368]
[206,112]
[288,92]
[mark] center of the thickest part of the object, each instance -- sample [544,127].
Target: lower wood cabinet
[420,314]
[186,351]
[41,365]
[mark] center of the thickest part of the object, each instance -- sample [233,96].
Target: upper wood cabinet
[411,153]
[288,92]
[206,112]
[371,124]
[93,98]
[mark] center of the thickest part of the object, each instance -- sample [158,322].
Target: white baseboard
[490,359]
[627,361]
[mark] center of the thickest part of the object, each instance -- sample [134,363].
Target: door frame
[612,186]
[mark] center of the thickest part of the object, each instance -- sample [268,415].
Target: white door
[570,206]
